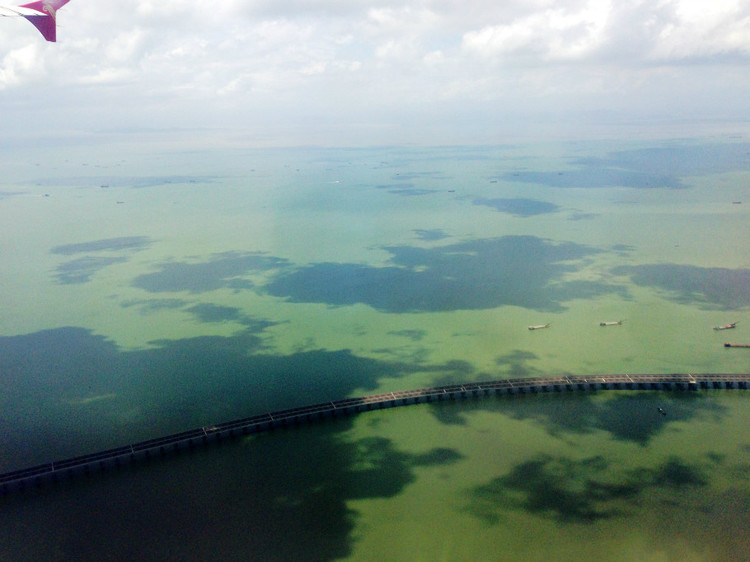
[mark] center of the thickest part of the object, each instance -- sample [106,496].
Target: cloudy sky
[375,71]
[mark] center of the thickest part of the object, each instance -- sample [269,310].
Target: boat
[615,323]
[726,326]
[538,326]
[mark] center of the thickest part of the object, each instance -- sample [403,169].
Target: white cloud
[237,62]
[551,35]
[668,31]
[700,30]
[22,66]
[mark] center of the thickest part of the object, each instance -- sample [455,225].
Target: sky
[359,72]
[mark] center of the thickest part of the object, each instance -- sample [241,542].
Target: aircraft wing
[11,11]
[42,14]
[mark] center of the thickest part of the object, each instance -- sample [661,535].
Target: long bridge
[160,446]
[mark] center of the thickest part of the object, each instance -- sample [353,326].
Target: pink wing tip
[47,24]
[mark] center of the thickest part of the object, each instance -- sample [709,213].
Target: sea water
[148,291]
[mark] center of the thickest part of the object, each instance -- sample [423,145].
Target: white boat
[616,323]
[538,326]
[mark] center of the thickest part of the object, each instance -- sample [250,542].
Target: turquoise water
[150,291]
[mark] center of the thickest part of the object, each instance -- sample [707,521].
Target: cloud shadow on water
[593,178]
[117,181]
[61,383]
[578,491]
[521,271]
[224,270]
[648,168]
[277,496]
[519,207]
[685,160]
[8,194]
[413,335]
[125,243]
[208,312]
[626,416]
[82,269]
[431,235]
[147,306]
[711,288]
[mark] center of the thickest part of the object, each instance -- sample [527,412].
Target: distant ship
[616,323]
[726,326]
[538,326]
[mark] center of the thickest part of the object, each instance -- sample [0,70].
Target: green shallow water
[537,477]
[156,291]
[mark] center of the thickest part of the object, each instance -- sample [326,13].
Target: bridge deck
[348,406]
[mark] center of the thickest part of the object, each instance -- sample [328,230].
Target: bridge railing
[353,405]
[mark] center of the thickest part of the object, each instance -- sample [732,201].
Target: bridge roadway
[103,460]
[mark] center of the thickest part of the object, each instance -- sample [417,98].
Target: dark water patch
[519,207]
[281,496]
[224,270]
[455,368]
[406,189]
[238,284]
[425,174]
[516,363]
[413,192]
[573,413]
[632,417]
[106,182]
[593,178]
[380,472]
[580,491]
[413,335]
[81,270]
[659,167]
[390,186]
[155,181]
[147,306]
[407,353]
[623,249]
[521,271]
[207,312]
[44,373]
[8,194]
[436,457]
[716,458]
[680,161]
[431,235]
[710,288]
[675,474]
[581,216]
[214,313]
[635,417]
[577,290]
[125,243]
[559,488]
[451,413]
[68,392]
